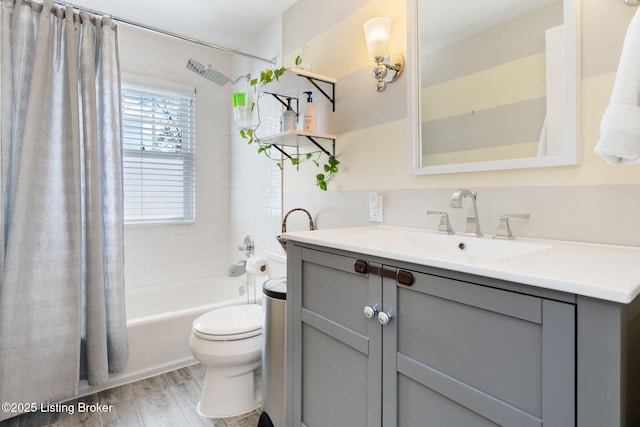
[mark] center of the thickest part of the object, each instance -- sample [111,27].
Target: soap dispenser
[309,115]
[288,120]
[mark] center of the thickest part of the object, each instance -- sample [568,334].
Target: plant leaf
[279,72]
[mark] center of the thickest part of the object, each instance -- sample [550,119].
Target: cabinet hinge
[401,276]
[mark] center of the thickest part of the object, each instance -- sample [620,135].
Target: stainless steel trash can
[274,296]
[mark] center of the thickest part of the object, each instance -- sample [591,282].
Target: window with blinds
[158,155]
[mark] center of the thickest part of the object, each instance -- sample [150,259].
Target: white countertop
[606,272]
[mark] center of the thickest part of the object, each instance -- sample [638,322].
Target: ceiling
[221,22]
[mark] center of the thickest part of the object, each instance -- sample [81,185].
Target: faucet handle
[247,246]
[445,224]
[503,231]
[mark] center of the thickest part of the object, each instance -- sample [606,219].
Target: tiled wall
[256,192]
[157,254]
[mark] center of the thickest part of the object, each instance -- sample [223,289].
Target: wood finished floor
[168,400]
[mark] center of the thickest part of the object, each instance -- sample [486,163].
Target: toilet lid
[244,320]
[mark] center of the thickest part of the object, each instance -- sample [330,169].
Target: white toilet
[228,341]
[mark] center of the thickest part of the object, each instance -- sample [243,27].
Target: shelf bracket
[281,150]
[333,146]
[332,97]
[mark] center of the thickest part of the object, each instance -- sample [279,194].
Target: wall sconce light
[377,32]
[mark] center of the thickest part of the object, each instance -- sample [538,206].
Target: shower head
[211,74]
[207,72]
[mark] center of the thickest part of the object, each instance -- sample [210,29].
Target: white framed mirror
[493,85]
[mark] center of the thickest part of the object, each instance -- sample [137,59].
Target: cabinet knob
[370,312]
[384,318]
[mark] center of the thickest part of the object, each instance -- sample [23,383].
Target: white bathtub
[153,303]
[159,320]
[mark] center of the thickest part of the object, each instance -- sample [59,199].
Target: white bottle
[309,115]
[288,120]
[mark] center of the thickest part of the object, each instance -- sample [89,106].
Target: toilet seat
[230,323]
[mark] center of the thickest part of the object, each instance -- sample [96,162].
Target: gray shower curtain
[61,226]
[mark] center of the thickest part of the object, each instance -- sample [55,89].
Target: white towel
[620,126]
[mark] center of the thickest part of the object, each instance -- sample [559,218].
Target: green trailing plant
[330,167]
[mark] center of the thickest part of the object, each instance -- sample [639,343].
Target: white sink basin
[483,247]
[435,244]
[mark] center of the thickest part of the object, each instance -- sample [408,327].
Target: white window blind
[158,155]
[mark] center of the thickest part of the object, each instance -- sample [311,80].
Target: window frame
[160,155]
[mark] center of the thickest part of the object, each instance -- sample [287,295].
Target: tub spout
[237,269]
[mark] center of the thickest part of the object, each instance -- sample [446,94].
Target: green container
[239,99]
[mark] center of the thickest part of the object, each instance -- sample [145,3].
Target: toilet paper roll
[257,265]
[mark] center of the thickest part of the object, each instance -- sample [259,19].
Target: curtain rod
[169,33]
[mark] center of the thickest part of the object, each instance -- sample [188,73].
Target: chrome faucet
[473,224]
[445,224]
[504,230]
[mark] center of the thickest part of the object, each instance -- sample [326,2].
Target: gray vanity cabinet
[472,355]
[454,353]
[337,355]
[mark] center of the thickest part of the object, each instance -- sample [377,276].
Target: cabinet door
[337,379]
[471,355]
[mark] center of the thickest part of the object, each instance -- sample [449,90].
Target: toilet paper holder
[282,240]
